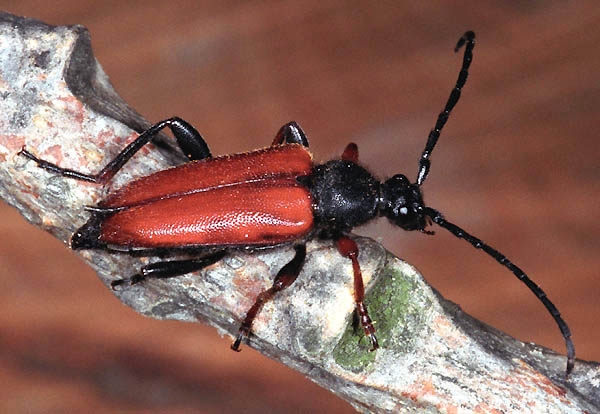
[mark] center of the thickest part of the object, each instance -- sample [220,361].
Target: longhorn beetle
[265,198]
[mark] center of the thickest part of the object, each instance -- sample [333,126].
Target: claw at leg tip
[238,341]
[374,343]
[116,283]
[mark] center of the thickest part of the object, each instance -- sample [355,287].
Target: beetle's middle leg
[170,268]
[286,276]
[290,133]
[189,140]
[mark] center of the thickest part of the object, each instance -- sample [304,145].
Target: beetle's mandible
[280,197]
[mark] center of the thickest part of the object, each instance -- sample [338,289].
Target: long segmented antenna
[437,218]
[424,163]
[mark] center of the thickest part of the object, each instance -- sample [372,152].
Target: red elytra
[243,199]
[289,160]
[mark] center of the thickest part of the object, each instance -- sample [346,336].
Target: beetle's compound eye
[398,180]
[402,203]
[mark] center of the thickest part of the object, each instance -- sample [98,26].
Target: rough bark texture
[58,102]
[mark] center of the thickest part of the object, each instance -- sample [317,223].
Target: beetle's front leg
[348,248]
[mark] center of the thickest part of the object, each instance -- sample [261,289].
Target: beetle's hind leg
[189,140]
[285,277]
[167,269]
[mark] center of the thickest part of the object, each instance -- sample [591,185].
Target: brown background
[518,165]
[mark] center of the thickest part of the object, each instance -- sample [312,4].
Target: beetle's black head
[402,203]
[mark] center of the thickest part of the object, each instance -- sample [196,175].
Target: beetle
[262,199]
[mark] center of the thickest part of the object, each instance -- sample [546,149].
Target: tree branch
[59,103]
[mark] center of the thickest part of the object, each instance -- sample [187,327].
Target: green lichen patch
[397,305]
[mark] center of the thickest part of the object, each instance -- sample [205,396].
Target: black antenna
[469,39]
[437,218]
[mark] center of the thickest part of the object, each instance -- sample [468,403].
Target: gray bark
[58,102]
